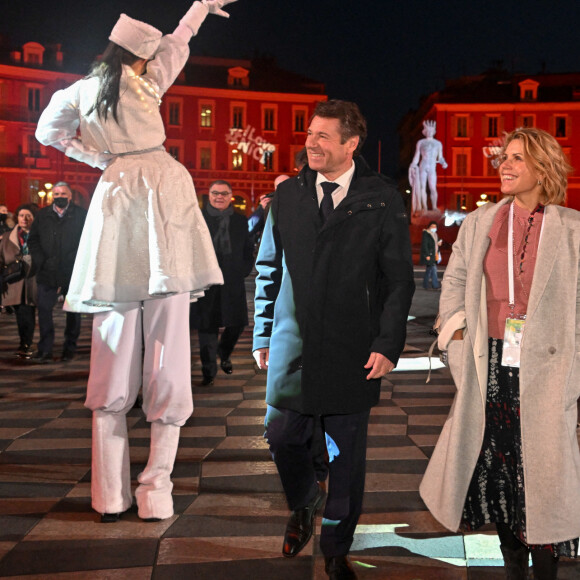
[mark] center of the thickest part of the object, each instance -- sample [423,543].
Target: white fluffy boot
[154,492]
[111,476]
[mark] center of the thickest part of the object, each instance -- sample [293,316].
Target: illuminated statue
[430,151]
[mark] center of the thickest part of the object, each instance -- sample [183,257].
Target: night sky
[384,54]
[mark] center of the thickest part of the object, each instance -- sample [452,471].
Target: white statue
[430,151]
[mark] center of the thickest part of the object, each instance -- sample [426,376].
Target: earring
[539,182]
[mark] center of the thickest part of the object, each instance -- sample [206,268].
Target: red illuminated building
[238,120]
[472,113]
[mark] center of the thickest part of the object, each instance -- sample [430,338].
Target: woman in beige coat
[508,453]
[21,294]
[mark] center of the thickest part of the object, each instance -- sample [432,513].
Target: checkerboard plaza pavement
[230,509]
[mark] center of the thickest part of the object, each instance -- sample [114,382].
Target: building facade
[472,114]
[238,120]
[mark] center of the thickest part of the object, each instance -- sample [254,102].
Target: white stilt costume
[145,250]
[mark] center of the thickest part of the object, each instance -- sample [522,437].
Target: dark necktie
[327,205]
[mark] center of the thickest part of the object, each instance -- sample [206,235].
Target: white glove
[215,6]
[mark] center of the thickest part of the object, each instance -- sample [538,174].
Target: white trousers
[138,344]
[143,344]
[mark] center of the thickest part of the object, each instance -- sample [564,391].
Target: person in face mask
[53,242]
[430,245]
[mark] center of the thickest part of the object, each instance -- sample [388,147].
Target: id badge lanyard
[514,325]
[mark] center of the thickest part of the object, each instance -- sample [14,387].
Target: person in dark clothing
[430,245]
[257,220]
[53,242]
[223,306]
[334,288]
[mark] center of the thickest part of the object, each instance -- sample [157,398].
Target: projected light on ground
[472,550]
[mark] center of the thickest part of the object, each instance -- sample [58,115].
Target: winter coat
[549,378]
[53,242]
[10,250]
[327,295]
[428,248]
[227,305]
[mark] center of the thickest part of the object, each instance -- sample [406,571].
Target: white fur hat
[139,38]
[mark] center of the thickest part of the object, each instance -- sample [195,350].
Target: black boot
[544,565]
[515,562]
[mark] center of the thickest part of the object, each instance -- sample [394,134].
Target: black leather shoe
[110,518]
[67,355]
[42,358]
[24,352]
[339,568]
[300,526]
[227,366]
[206,382]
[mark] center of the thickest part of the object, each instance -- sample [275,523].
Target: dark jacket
[257,221]
[428,249]
[329,295]
[53,242]
[227,305]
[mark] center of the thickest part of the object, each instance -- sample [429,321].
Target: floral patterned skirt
[496,492]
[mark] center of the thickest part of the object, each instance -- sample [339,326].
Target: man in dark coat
[429,257]
[223,306]
[53,241]
[334,288]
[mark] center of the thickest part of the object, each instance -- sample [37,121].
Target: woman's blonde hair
[546,156]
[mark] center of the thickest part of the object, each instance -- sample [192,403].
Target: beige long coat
[549,378]
[9,252]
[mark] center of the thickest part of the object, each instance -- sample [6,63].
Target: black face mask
[3,217]
[60,202]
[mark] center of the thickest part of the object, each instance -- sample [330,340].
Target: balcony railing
[18,114]
[23,161]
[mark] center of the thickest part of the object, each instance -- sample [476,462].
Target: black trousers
[46,301]
[25,318]
[289,435]
[209,347]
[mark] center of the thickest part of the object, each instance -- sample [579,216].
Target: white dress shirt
[341,191]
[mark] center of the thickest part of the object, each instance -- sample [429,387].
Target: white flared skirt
[144,237]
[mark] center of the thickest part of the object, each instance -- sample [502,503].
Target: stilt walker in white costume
[145,250]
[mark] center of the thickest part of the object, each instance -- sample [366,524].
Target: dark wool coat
[329,295]
[428,249]
[227,305]
[53,242]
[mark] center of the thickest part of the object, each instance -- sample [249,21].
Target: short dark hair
[300,159]
[352,122]
[32,208]
[221,182]
[432,223]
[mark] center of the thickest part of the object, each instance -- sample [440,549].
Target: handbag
[13,272]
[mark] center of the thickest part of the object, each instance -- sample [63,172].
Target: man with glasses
[223,306]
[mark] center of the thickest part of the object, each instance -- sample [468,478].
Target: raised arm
[173,50]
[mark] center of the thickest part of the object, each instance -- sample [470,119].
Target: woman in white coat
[510,323]
[144,250]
